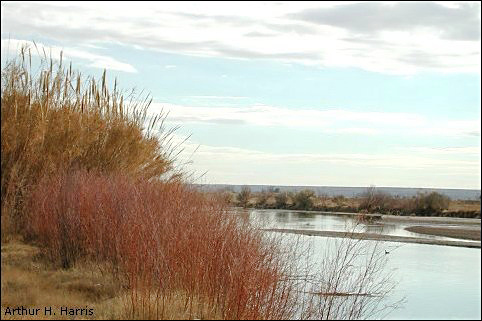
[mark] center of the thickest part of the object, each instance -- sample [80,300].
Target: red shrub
[162,238]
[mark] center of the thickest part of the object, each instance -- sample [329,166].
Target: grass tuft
[54,119]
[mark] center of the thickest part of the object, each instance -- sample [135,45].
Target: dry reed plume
[54,119]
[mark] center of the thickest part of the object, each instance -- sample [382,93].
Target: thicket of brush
[423,204]
[163,239]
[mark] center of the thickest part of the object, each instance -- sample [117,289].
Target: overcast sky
[289,93]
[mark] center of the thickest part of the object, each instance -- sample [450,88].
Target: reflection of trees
[282,217]
[380,228]
[303,215]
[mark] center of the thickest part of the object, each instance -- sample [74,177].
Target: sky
[288,93]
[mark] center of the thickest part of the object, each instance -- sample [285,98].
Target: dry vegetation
[159,239]
[371,201]
[93,214]
[55,120]
[30,280]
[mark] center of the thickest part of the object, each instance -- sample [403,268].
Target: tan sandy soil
[379,237]
[456,232]
[431,219]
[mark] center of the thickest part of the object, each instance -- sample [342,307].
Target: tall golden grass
[53,119]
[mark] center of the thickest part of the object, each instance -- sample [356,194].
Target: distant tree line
[372,200]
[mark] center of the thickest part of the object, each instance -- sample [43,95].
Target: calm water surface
[438,282]
[326,222]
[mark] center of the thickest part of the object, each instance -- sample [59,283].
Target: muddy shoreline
[379,237]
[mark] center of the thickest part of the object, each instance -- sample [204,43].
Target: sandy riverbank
[380,237]
[455,232]
[431,220]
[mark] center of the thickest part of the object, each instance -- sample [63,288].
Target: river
[437,282]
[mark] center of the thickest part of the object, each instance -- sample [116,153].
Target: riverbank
[455,232]
[431,220]
[379,237]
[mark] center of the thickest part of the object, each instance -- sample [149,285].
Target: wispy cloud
[397,38]
[92,60]
[447,151]
[219,97]
[359,169]
[335,121]
[410,161]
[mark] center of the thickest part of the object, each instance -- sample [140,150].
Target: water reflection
[321,221]
[389,229]
[282,217]
[436,282]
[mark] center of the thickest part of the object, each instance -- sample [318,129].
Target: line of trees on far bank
[372,200]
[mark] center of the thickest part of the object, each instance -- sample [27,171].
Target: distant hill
[455,194]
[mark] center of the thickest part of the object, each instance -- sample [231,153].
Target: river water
[437,282]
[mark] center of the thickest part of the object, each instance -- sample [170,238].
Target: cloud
[379,161]
[445,167]
[397,38]
[219,97]
[466,151]
[332,121]
[456,23]
[236,165]
[93,60]
[408,158]
[258,34]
